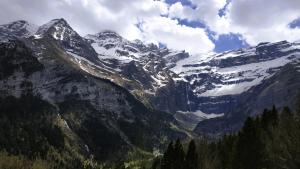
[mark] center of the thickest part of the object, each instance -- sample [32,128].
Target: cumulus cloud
[157,21]
[92,16]
[163,29]
[206,11]
[264,20]
[256,20]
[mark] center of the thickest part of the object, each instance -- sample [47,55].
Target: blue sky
[295,24]
[197,26]
[223,42]
[183,2]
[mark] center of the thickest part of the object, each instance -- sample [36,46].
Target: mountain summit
[17,29]
[193,89]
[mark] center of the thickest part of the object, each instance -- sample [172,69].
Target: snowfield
[232,80]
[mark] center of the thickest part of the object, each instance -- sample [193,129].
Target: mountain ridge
[188,86]
[82,99]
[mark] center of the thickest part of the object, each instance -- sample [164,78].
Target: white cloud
[176,36]
[176,10]
[92,16]
[256,20]
[205,11]
[267,20]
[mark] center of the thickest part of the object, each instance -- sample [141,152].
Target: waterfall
[187,97]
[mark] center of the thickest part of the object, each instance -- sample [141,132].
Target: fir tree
[178,155]
[168,158]
[269,120]
[191,156]
[227,147]
[250,154]
[265,142]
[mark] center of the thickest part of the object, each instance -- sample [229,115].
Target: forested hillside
[270,141]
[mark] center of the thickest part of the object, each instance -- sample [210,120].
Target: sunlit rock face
[96,112]
[192,88]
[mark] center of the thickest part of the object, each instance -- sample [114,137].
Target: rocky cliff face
[17,29]
[220,82]
[192,88]
[101,117]
[144,66]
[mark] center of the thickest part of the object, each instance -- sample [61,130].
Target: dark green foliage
[156,163]
[138,133]
[15,56]
[93,127]
[227,150]
[250,154]
[168,158]
[298,105]
[191,156]
[284,145]
[175,157]
[269,118]
[26,126]
[179,156]
[270,141]
[9,161]
[286,114]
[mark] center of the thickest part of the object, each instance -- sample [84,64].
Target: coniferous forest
[269,141]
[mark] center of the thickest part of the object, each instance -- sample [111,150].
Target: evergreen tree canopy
[179,155]
[168,158]
[269,141]
[191,156]
[250,147]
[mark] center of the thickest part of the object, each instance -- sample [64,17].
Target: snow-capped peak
[60,31]
[56,28]
[20,29]
[106,36]
[297,41]
[108,33]
[234,72]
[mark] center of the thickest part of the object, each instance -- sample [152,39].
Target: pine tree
[269,119]
[298,106]
[156,163]
[274,116]
[191,159]
[266,141]
[250,148]
[286,116]
[168,158]
[289,139]
[227,147]
[178,155]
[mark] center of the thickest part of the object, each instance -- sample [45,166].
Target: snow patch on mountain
[231,80]
[87,65]
[17,29]
[202,115]
[245,76]
[182,67]
[110,54]
[44,28]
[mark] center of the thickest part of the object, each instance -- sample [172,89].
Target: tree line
[268,141]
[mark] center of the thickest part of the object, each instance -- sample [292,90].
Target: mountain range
[112,94]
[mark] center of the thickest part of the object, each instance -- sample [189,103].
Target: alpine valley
[70,97]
